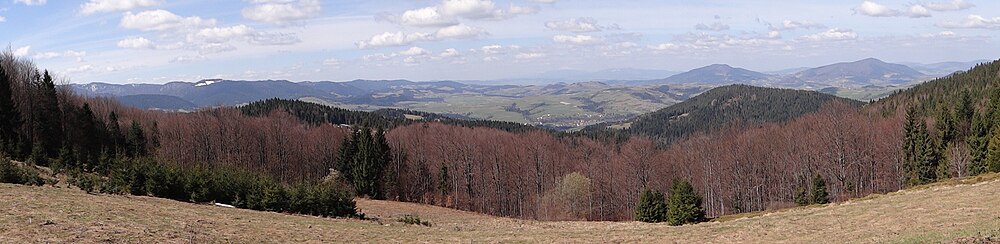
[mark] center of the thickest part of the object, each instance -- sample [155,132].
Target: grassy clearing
[962,209]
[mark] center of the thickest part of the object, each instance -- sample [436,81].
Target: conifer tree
[10,118]
[49,122]
[651,207]
[684,205]
[978,141]
[136,140]
[444,180]
[819,193]
[993,152]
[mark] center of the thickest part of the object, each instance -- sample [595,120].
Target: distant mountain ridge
[716,74]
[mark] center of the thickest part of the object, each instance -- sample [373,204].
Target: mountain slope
[954,210]
[715,108]
[716,74]
[160,102]
[866,72]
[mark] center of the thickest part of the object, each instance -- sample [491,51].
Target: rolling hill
[715,108]
[861,73]
[948,211]
[716,74]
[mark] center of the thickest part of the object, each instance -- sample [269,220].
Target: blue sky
[156,41]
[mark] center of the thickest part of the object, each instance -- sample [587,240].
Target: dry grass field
[958,210]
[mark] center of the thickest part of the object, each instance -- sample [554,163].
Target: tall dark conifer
[49,117]
[10,119]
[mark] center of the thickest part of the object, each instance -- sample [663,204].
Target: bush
[411,219]
[18,174]
[651,207]
[684,206]
[86,182]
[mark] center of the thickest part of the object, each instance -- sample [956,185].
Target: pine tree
[345,158]
[802,196]
[651,207]
[10,119]
[993,152]
[963,113]
[819,193]
[978,141]
[684,205]
[115,137]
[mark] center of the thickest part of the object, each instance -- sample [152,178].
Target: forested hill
[383,118]
[717,107]
[972,87]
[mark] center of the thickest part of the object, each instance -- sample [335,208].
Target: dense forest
[773,152]
[718,107]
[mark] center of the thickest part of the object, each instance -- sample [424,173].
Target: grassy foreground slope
[947,211]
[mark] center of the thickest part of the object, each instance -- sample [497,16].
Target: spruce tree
[651,207]
[684,205]
[136,140]
[978,142]
[819,193]
[10,118]
[444,180]
[993,152]
[49,122]
[345,158]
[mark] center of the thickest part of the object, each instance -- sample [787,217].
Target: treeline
[383,118]
[103,150]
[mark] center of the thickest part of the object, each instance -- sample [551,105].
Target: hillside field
[957,210]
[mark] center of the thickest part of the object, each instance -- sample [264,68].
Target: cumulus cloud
[449,53]
[31,2]
[873,9]
[262,38]
[282,12]
[943,34]
[136,43]
[221,34]
[664,47]
[973,22]
[414,51]
[918,11]
[161,20]
[831,35]
[22,51]
[101,6]
[717,26]
[3,19]
[426,17]
[187,58]
[389,39]
[577,39]
[579,25]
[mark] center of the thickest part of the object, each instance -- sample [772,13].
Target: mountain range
[561,105]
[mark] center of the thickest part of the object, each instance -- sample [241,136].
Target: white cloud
[389,39]
[943,34]
[187,59]
[918,11]
[873,9]
[831,35]
[577,39]
[665,47]
[211,48]
[473,9]
[282,12]
[491,49]
[221,34]
[136,43]
[101,6]
[717,26]
[22,51]
[31,2]
[792,24]
[449,53]
[953,5]
[544,1]
[974,22]
[530,55]
[414,51]
[3,19]
[578,25]
[460,31]
[426,17]
[161,20]
[261,38]
[78,55]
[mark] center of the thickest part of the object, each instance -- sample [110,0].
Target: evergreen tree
[684,205]
[993,152]
[115,138]
[369,163]
[819,194]
[345,158]
[922,153]
[136,140]
[963,113]
[945,126]
[978,141]
[444,180]
[49,122]
[802,196]
[651,207]
[10,119]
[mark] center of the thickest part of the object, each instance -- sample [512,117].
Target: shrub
[13,173]
[651,207]
[412,219]
[684,205]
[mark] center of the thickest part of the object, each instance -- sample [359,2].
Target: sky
[157,41]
